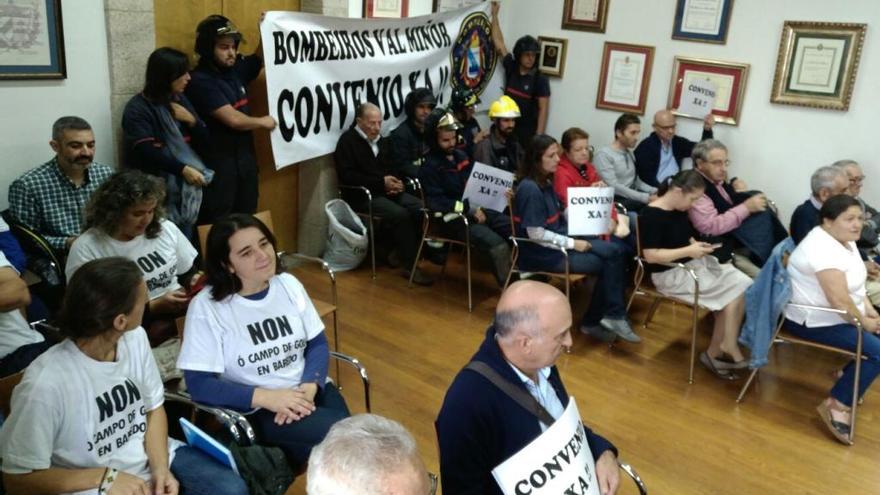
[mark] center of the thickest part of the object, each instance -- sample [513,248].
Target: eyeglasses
[857,180]
[432,481]
[720,162]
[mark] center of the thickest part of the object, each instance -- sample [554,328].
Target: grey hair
[508,321]
[66,124]
[824,177]
[704,147]
[363,107]
[842,164]
[357,455]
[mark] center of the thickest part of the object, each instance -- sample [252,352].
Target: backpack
[263,469]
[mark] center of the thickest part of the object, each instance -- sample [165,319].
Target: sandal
[709,363]
[840,430]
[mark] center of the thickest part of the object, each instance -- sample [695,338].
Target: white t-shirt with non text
[820,251]
[71,411]
[14,329]
[258,343]
[160,259]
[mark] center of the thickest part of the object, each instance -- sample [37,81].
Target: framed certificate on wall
[817,64]
[32,40]
[727,78]
[625,76]
[585,15]
[706,21]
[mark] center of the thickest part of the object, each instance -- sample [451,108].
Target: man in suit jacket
[659,155]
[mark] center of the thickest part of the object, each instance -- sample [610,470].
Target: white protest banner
[558,461]
[698,98]
[589,210]
[487,187]
[319,69]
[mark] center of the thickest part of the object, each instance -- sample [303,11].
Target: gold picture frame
[585,15]
[817,64]
[551,59]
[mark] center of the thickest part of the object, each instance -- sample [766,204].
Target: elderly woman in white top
[826,270]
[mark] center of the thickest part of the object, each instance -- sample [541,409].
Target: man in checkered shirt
[51,197]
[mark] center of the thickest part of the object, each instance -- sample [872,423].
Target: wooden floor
[683,439]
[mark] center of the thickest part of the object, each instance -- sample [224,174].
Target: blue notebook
[198,439]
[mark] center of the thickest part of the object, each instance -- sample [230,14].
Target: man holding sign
[660,155]
[443,177]
[481,425]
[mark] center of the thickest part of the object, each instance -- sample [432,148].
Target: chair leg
[336,348]
[693,344]
[467,248]
[514,255]
[653,309]
[855,402]
[742,392]
[372,243]
[415,265]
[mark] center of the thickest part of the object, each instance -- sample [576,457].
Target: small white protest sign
[487,187]
[697,97]
[558,461]
[589,210]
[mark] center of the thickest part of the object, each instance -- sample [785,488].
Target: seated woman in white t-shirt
[125,217]
[826,270]
[87,417]
[254,341]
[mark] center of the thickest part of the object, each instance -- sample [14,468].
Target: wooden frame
[817,64]
[551,59]
[35,49]
[730,80]
[625,77]
[585,15]
[447,5]
[386,9]
[705,21]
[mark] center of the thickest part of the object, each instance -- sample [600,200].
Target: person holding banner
[463,104]
[538,214]
[667,236]
[522,81]
[408,143]
[362,159]
[481,424]
[501,149]
[217,90]
[660,155]
[443,178]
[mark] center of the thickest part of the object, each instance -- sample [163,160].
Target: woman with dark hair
[667,237]
[538,214]
[165,137]
[125,217]
[254,342]
[826,270]
[88,416]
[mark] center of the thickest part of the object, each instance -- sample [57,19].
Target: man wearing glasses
[868,242]
[660,155]
[480,425]
[217,90]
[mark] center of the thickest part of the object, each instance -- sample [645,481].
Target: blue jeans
[844,336]
[605,259]
[298,438]
[199,474]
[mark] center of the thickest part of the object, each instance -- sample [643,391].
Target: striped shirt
[50,203]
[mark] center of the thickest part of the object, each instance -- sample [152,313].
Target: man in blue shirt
[660,155]
[217,90]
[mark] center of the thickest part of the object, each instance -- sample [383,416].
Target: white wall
[774,147]
[30,107]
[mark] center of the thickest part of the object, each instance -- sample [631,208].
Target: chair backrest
[7,384]
[264,216]
[638,236]
[36,247]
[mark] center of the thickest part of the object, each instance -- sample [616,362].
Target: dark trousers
[489,237]
[606,260]
[234,189]
[20,358]
[401,218]
[298,438]
[844,336]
